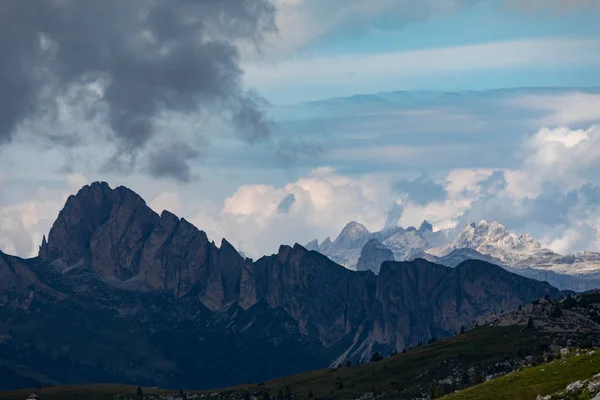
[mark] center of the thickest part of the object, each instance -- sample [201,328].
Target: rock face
[373,254]
[125,243]
[120,293]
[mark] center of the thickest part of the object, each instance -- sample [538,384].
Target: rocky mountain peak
[354,235]
[86,212]
[425,227]
[313,245]
[493,239]
[43,249]
[125,243]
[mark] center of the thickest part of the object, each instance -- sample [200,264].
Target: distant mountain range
[119,293]
[405,244]
[357,248]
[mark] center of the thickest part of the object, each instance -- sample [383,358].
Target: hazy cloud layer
[131,60]
[303,22]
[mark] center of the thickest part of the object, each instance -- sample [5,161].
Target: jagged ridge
[109,254]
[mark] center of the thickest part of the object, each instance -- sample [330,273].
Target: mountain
[354,235]
[373,254]
[406,244]
[346,248]
[432,238]
[521,254]
[119,293]
[495,240]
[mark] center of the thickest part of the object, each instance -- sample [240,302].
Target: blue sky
[448,110]
[540,47]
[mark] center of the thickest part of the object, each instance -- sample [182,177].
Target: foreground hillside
[572,377]
[409,374]
[120,293]
[511,350]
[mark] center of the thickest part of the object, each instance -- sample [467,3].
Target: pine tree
[348,364]
[280,395]
[288,393]
[376,357]
[140,392]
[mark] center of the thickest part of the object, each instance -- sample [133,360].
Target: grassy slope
[404,373]
[528,383]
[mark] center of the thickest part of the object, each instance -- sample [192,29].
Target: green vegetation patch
[543,380]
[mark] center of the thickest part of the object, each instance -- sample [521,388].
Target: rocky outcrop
[419,300]
[373,254]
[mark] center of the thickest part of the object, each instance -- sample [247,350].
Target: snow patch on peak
[493,239]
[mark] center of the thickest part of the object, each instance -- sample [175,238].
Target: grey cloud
[548,214]
[393,215]
[14,236]
[591,193]
[496,181]
[421,190]
[286,203]
[148,55]
[172,162]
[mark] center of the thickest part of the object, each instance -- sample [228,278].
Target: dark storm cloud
[152,55]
